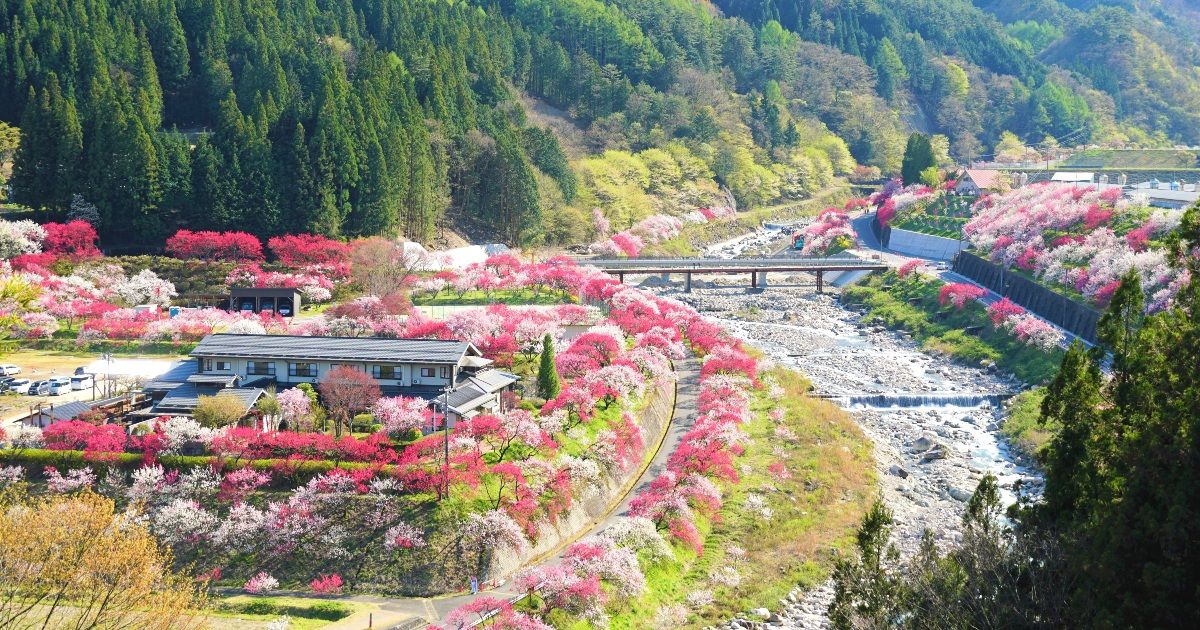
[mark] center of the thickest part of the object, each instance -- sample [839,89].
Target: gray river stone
[942,451]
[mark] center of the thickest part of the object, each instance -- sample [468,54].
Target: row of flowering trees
[28,244]
[649,231]
[608,569]
[1079,238]
[1004,314]
[361,523]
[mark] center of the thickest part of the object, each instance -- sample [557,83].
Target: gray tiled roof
[334,348]
[493,380]
[186,397]
[173,377]
[66,411]
[228,380]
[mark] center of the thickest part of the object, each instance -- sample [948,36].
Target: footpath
[414,613]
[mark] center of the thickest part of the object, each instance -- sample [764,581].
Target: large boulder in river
[922,444]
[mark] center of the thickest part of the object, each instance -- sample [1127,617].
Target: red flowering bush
[959,293]
[76,240]
[208,245]
[76,435]
[303,250]
[1003,310]
[241,443]
[327,584]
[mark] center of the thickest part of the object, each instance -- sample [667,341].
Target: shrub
[207,245]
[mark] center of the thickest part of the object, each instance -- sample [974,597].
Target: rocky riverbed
[934,424]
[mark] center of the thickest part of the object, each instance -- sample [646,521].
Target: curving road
[416,612]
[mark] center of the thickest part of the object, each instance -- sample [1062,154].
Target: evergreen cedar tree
[547,381]
[324,129]
[918,156]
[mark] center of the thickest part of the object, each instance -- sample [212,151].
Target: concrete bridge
[758,268]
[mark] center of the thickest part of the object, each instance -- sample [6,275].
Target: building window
[222,366]
[445,372]
[427,372]
[260,368]
[384,371]
[302,369]
[208,365]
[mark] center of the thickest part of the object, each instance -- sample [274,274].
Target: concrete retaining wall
[923,245]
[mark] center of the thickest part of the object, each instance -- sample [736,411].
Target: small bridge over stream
[758,268]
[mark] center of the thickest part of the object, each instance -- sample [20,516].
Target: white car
[20,386]
[9,370]
[82,381]
[60,385]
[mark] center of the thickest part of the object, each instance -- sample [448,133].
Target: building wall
[407,374]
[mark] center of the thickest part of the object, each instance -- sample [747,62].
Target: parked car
[60,385]
[80,371]
[20,386]
[39,388]
[82,381]
[9,370]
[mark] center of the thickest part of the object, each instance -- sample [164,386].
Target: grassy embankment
[695,237]
[945,216]
[815,508]
[1024,427]
[966,336]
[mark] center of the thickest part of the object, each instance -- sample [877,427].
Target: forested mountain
[352,117]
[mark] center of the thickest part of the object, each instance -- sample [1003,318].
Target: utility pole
[446,441]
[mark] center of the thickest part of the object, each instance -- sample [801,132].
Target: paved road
[398,611]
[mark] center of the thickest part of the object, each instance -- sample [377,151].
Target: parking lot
[35,366]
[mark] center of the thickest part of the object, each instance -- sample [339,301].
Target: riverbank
[935,423]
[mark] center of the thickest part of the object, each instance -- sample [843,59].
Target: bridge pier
[621,277]
[820,282]
[688,287]
[753,279]
[762,279]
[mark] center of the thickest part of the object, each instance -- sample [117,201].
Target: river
[934,424]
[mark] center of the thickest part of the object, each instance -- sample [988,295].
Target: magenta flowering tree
[959,293]
[909,267]
[1001,311]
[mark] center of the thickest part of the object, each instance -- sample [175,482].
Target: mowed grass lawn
[815,507]
[252,611]
[475,297]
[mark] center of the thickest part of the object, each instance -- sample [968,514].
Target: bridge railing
[712,263]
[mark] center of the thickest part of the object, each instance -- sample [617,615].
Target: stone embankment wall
[585,513]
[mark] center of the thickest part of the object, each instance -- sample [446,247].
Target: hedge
[304,470]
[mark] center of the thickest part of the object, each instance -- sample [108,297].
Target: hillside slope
[358,117]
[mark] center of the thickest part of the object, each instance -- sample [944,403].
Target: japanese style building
[445,372]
